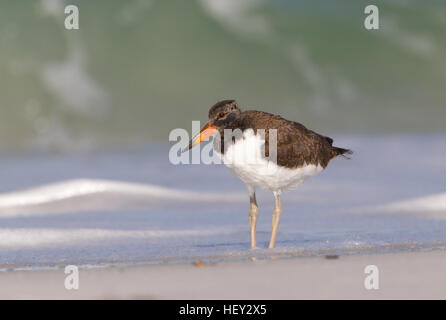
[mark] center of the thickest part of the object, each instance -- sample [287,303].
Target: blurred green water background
[136,69]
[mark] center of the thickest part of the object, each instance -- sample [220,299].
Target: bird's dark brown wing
[296,145]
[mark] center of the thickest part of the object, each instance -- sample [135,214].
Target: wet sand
[414,275]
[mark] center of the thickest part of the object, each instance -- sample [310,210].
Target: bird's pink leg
[253,213]
[277,214]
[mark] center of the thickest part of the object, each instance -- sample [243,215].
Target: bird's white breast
[245,159]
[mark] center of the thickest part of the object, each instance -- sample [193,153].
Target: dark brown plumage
[296,145]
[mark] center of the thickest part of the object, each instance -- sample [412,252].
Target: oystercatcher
[268,152]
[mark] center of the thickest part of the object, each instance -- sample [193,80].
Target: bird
[265,151]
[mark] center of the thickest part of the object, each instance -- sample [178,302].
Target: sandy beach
[414,275]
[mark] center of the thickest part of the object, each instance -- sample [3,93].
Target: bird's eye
[221,115]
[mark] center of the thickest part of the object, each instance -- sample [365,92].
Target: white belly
[245,159]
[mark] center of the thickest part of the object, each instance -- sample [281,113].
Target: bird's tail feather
[342,152]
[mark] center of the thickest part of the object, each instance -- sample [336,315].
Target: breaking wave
[98,195]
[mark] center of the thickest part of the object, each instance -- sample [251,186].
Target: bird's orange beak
[205,133]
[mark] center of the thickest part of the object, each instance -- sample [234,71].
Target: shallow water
[135,207]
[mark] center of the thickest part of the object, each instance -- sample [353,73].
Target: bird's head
[221,116]
[223,113]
